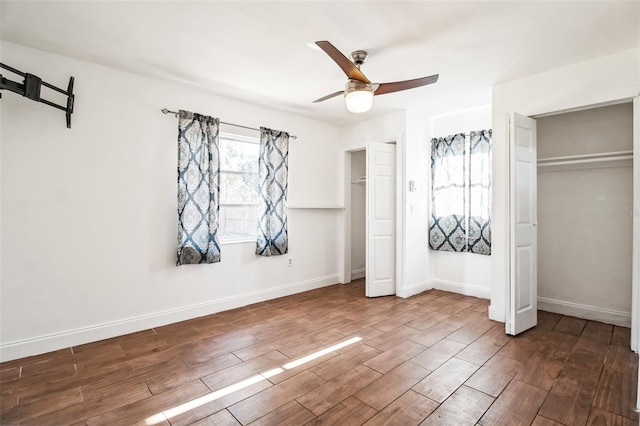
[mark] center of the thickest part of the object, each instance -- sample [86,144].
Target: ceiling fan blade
[324,98]
[405,85]
[343,62]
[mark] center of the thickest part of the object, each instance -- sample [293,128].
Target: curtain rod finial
[166,111]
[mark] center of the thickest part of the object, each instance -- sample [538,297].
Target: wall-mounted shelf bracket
[31,87]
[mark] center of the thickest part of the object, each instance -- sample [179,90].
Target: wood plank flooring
[331,356]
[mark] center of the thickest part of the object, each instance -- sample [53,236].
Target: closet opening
[585,213]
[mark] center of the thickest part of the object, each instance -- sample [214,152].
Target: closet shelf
[588,160]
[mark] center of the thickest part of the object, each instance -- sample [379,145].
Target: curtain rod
[166,111]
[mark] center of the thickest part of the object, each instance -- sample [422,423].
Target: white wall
[585,216]
[469,274]
[477,118]
[89,213]
[418,274]
[464,273]
[598,81]
[407,130]
[358,214]
[385,128]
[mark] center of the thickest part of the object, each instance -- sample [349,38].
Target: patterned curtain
[479,238]
[198,189]
[448,207]
[461,193]
[273,170]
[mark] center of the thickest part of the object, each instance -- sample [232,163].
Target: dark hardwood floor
[332,356]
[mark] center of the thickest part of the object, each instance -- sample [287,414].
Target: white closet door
[381,220]
[523,286]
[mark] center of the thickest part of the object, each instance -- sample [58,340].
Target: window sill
[230,241]
[313,206]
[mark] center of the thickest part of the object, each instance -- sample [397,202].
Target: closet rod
[586,158]
[166,111]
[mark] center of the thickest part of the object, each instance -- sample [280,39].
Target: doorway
[358,213]
[370,236]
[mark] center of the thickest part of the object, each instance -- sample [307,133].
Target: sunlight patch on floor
[205,399]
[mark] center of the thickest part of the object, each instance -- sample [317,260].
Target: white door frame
[345,247]
[635,274]
[635,279]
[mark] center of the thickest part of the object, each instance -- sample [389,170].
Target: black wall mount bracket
[31,87]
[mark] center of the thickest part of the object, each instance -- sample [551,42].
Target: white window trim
[225,241]
[240,138]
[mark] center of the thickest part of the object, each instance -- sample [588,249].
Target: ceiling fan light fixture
[358,96]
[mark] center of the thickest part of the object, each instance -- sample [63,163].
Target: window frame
[226,239]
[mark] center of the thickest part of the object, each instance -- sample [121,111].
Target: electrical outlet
[290,262]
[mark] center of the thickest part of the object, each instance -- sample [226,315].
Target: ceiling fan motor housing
[356,86]
[358,95]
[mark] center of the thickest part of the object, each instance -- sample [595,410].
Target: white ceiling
[259,50]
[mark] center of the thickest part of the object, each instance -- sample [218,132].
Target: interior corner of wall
[494,315]
[413,289]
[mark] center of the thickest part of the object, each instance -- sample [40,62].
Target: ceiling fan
[359,91]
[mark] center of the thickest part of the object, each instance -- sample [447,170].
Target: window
[461,193]
[238,187]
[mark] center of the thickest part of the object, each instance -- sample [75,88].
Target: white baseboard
[462,288]
[356,274]
[414,289]
[593,313]
[493,315]
[65,339]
